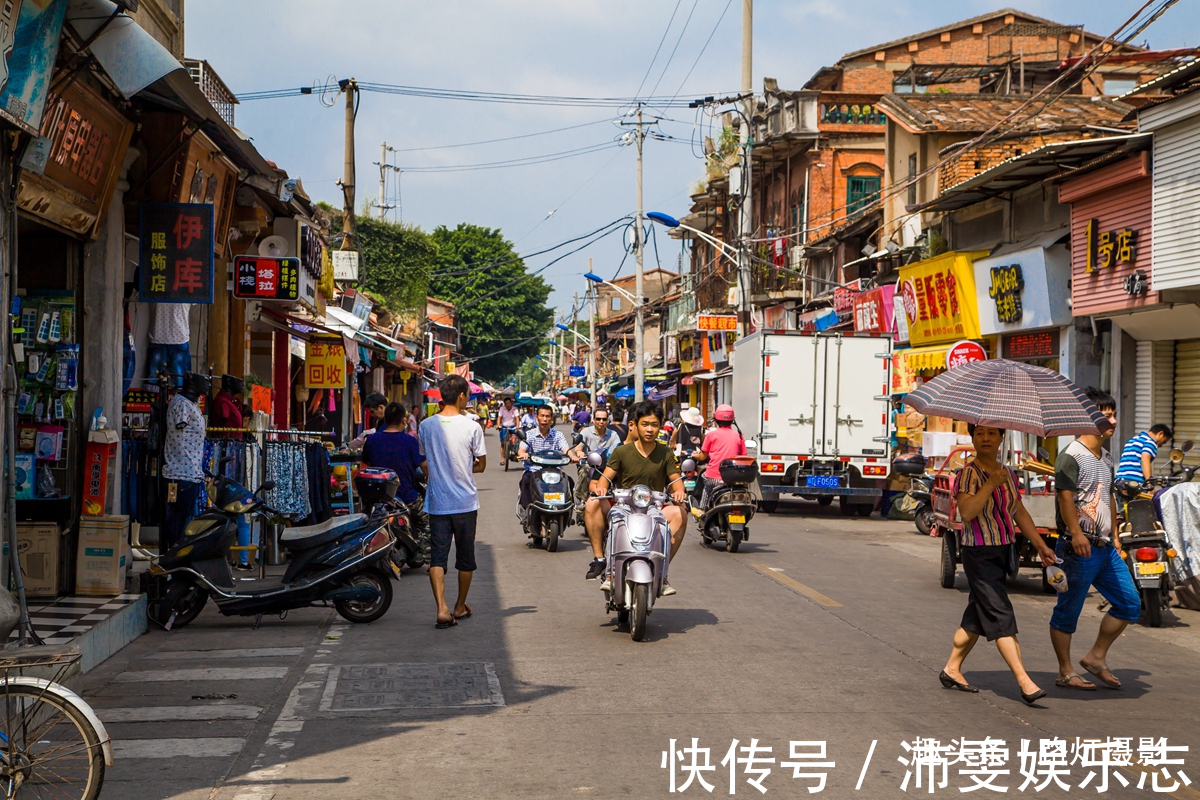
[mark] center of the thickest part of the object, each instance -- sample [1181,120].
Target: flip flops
[1111,681]
[1083,686]
[470,611]
[443,625]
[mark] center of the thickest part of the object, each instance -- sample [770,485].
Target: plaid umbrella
[1008,394]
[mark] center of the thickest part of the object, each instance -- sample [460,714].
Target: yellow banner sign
[939,298]
[325,365]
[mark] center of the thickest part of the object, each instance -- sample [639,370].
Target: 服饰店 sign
[176,262]
[325,364]
[266,278]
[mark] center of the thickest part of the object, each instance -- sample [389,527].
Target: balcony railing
[851,114]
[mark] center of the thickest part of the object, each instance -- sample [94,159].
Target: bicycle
[51,742]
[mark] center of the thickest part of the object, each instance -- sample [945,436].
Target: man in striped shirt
[1138,454]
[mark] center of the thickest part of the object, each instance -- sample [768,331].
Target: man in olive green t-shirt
[645,462]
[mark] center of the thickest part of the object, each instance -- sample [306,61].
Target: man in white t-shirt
[453,447]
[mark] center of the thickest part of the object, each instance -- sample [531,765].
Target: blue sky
[564,47]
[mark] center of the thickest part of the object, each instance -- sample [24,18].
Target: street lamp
[639,359]
[728,251]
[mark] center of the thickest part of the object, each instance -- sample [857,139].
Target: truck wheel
[947,563]
[864,509]
[768,506]
[845,506]
[825,500]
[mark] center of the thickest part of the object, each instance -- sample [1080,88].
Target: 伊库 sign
[176,260]
[266,278]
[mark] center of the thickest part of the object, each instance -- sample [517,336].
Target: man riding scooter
[597,439]
[506,418]
[646,462]
[545,438]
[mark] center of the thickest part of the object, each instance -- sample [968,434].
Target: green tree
[499,304]
[396,260]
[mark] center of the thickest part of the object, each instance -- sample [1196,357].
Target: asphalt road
[821,629]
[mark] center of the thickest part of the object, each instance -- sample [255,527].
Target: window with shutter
[860,190]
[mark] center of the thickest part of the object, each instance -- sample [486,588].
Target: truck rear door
[857,422]
[793,385]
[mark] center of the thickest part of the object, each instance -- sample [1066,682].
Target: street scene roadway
[822,628]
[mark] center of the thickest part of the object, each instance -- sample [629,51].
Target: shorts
[457,528]
[989,612]
[1105,570]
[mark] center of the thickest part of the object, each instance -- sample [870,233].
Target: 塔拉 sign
[176,260]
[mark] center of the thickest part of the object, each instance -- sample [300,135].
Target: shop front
[1112,281]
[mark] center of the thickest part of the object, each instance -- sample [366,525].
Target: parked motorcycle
[340,561]
[919,496]
[637,552]
[731,505]
[552,499]
[375,487]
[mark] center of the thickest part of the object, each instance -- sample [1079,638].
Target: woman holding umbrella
[994,395]
[992,514]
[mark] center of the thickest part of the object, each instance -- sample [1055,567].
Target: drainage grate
[375,687]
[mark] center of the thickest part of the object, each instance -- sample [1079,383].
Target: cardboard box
[939,425]
[37,545]
[103,555]
[960,428]
[99,464]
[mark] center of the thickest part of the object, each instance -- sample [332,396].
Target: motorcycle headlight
[641,497]
[551,478]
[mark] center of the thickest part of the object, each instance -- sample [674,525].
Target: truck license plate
[553,497]
[822,481]
[739,518]
[1157,568]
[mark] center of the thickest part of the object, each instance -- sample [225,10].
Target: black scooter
[342,561]
[730,505]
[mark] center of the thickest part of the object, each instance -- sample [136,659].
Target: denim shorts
[1104,569]
[456,528]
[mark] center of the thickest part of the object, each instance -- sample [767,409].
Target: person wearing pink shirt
[722,442]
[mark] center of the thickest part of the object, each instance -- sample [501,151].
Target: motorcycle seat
[303,537]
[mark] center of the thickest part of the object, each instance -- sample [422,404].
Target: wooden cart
[948,525]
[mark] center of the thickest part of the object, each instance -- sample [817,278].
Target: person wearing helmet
[183,457]
[722,442]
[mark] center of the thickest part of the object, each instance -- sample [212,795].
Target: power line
[509,98]
[515,257]
[502,139]
[518,162]
[671,57]
[702,49]
[659,48]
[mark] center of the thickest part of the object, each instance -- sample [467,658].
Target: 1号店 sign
[964,352]
[325,364]
[266,278]
[176,262]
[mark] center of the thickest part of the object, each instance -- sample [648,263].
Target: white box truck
[819,407]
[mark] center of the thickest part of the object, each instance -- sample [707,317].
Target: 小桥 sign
[325,364]
[176,261]
[266,278]
[1007,285]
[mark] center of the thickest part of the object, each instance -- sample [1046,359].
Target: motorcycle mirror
[1043,454]
[595,459]
[751,444]
[267,486]
[688,465]
[225,460]
[578,439]
[1187,446]
[1176,456]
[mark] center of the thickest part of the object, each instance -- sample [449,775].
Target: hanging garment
[287,466]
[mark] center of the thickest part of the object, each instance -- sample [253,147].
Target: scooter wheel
[552,534]
[184,599]
[733,540]
[367,612]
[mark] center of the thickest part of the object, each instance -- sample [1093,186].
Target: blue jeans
[243,529]
[174,359]
[1103,569]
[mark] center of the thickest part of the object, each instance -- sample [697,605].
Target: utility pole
[575,331]
[593,361]
[745,217]
[639,331]
[350,87]
[562,343]
[384,166]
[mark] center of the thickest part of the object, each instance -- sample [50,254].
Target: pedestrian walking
[1091,555]
[992,514]
[453,448]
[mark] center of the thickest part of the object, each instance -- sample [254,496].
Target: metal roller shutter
[1187,395]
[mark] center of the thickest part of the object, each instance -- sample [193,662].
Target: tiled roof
[975,113]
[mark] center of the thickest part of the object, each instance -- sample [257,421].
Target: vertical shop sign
[29,37]
[176,262]
[325,364]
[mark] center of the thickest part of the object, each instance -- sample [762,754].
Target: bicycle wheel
[47,748]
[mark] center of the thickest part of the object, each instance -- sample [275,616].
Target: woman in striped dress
[992,514]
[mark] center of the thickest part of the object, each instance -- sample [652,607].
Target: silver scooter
[637,552]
